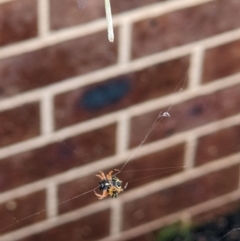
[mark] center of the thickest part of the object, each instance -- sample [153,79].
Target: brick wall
[73,104]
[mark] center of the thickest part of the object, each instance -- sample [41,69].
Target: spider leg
[109,175]
[101,175]
[104,194]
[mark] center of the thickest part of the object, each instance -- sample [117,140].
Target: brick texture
[19,124]
[15,211]
[121,92]
[214,146]
[92,227]
[59,157]
[223,68]
[187,115]
[18,21]
[179,197]
[53,64]
[173,29]
[161,164]
[219,212]
[73,104]
[74,188]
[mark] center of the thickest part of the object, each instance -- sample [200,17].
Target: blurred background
[73,104]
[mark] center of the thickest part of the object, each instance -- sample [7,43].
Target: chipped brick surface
[176,198]
[184,26]
[19,124]
[18,21]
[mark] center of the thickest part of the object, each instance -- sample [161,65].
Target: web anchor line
[154,125]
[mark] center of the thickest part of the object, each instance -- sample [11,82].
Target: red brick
[93,227]
[184,26]
[161,164]
[22,211]
[226,66]
[18,21]
[179,197]
[217,145]
[19,124]
[123,91]
[57,158]
[72,15]
[144,237]
[91,10]
[55,63]
[70,190]
[215,213]
[187,115]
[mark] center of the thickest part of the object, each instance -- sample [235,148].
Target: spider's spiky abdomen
[109,185]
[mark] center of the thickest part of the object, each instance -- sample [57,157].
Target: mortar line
[96,26]
[169,219]
[43,18]
[196,67]
[51,200]
[190,151]
[110,162]
[116,217]
[109,72]
[153,187]
[122,135]
[139,109]
[46,114]
[124,47]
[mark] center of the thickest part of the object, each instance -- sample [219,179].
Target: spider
[109,184]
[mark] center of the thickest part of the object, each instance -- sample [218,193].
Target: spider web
[122,169]
[160,170]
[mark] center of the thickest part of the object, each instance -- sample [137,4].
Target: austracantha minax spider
[109,184]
